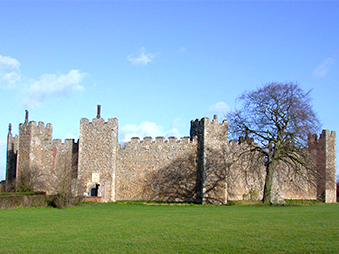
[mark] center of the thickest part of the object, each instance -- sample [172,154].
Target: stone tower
[12,151]
[212,139]
[36,162]
[326,158]
[97,157]
[32,137]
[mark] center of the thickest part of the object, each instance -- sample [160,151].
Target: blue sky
[157,65]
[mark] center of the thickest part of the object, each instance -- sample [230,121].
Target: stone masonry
[203,168]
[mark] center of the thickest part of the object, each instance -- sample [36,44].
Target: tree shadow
[176,182]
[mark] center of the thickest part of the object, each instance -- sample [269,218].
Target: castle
[204,168]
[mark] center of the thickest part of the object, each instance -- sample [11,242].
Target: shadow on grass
[288,202]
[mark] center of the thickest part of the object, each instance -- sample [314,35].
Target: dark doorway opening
[93,190]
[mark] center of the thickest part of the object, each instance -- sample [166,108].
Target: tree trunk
[268,182]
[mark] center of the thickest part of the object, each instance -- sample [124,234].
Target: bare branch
[279,117]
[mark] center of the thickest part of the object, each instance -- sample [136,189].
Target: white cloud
[324,67]
[143,58]
[53,85]
[146,129]
[7,62]
[9,72]
[219,108]
[9,79]
[37,90]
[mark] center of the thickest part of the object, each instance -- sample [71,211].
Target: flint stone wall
[97,156]
[157,170]
[47,163]
[246,175]
[202,168]
[11,166]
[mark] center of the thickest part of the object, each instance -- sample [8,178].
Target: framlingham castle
[204,167]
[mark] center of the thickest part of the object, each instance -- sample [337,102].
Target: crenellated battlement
[206,120]
[327,134]
[45,132]
[67,144]
[34,130]
[313,139]
[159,143]
[205,128]
[242,141]
[39,126]
[325,137]
[12,141]
[161,140]
[97,122]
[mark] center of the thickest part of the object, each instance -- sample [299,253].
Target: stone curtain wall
[245,172]
[228,171]
[97,156]
[294,184]
[203,168]
[157,170]
[246,176]
[59,165]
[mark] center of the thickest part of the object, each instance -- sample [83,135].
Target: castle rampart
[246,175]
[144,165]
[203,168]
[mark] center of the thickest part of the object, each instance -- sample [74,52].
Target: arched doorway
[93,190]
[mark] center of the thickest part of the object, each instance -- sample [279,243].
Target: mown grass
[122,228]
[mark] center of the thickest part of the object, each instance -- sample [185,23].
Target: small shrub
[254,194]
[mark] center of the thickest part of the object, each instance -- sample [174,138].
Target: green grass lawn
[119,228]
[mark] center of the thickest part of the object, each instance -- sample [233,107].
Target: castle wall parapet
[144,166]
[159,143]
[205,167]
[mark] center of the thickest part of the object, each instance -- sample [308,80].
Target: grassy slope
[109,228]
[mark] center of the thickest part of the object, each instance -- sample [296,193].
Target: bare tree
[29,180]
[63,183]
[279,117]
